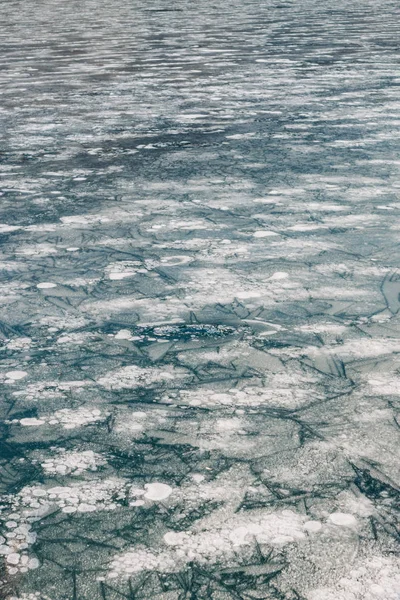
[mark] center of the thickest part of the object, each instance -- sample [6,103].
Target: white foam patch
[66,417]
[279,275]
[343,520]
[217,545]
[115,276]
[75,338]
[46,285]
[16,375]
[73,462]
[283,390]
[245,295]
[133,376]
[22,343]
[157,491]
[4,228]
[70,418]
[84,220]
[264,234]
[313,526]
[123,334]
[123,269]
[32,422]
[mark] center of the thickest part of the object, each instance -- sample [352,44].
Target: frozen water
[200,309]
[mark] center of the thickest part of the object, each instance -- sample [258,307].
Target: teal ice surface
[200,300]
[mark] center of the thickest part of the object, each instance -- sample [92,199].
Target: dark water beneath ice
[200,294]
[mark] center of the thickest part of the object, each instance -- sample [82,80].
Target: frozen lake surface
[200,300]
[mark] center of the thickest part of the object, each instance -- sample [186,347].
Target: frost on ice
[200,313]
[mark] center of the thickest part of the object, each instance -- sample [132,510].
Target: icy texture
[200,300]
